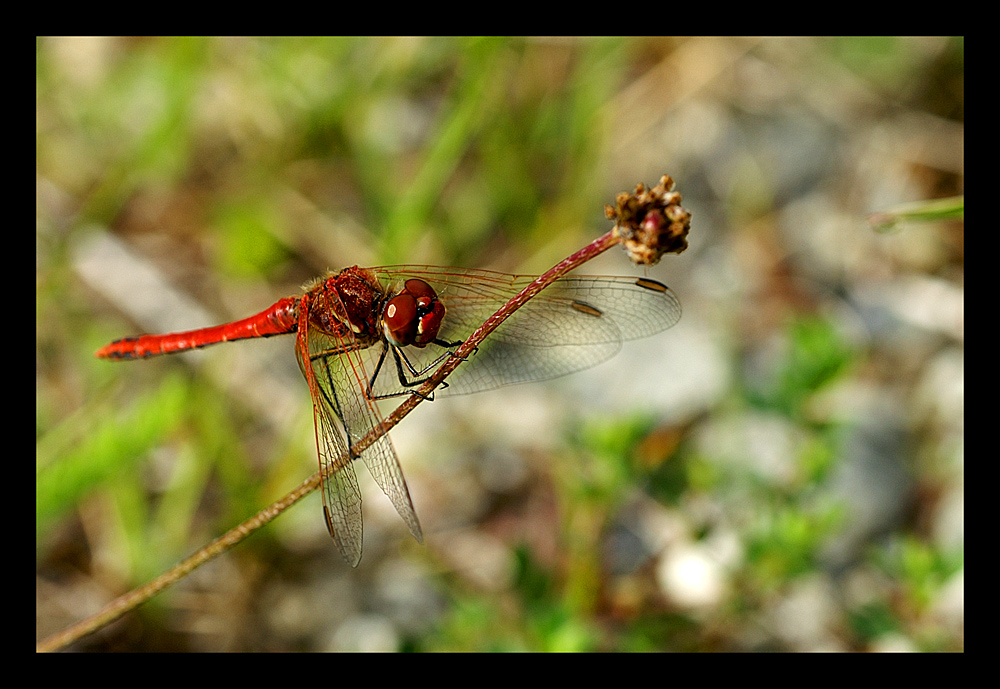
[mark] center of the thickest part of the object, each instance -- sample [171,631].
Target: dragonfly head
[413,317]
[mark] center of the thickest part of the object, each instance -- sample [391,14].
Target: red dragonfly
[348,323]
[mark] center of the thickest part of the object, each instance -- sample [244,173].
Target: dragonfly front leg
[370,389]
[398,355]
[401,359]
[449,345]
[411,377]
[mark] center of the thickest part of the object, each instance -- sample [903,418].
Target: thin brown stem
[625,232]
[137,597]
[133,599]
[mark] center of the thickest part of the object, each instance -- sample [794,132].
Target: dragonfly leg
[378,367]
[411,377]
[449,345]
[399,359]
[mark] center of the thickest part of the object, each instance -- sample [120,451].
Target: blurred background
[783,470]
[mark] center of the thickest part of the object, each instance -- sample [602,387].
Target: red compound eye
[413,317]
[400,319]
[419,288]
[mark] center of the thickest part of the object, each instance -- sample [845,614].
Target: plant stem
[137,597]
[648,223]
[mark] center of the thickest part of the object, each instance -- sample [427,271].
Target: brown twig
[648,223]
[133,599]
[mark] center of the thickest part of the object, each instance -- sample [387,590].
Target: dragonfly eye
[430,314]
[419,289]
[413,317]
[399,319]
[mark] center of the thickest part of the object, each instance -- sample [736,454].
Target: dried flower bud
[650,223]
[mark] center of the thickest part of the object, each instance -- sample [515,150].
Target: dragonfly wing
[341,494]
[342,500]
[526,347]
[342,372]
[575,323]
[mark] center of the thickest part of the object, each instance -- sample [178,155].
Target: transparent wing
[575,323]
[341,494]
[340,369]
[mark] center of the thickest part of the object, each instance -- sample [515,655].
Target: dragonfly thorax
[346,301]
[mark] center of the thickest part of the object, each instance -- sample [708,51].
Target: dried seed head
[650,222]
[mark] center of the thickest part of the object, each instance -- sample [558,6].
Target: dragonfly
[370,334]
